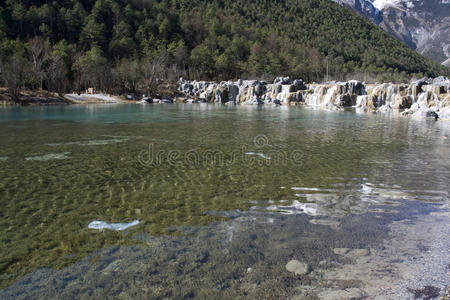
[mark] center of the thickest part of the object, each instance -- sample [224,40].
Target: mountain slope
[424,25]
[116,42]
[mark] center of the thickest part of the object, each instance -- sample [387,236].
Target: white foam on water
[3,158]
[92,142]
[295,208]
[123,136]
[373,193]
[111,226]
[50,156]
[258,154]
[311,189]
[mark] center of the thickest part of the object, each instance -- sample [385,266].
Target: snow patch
[381,4]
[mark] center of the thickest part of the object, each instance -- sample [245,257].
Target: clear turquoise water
[217,189]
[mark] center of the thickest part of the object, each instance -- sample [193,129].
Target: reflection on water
[356,175]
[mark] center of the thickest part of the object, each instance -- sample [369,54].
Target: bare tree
[155,71]
[92,70]
[129,72]
[56,75]
[12,72]
[38,49]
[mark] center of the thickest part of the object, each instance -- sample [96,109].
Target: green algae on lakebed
[102,171]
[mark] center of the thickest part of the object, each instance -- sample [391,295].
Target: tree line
[128,46]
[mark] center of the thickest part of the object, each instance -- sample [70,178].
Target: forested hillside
[128,45]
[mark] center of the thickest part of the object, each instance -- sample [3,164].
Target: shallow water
[214,220]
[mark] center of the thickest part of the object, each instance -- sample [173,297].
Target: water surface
[224,195]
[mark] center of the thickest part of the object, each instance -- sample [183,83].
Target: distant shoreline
[425,98]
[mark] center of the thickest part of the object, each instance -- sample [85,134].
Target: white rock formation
[422,98]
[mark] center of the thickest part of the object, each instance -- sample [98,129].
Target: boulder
[346,100]
[402,102]
[260,89]
[300,85]
[355,87]
[186,88]
[431,114]
[422,81]
[282,80]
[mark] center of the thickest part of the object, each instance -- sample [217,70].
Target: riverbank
[424,98]
[46,98]
[32,98]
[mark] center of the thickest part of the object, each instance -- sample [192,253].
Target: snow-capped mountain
[364,7]
[423,25]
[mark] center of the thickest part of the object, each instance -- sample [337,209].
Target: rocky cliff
[422,98]
[424,25]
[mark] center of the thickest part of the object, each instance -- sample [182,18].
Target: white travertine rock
[421,98]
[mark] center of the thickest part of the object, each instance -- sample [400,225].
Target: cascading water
[417,98]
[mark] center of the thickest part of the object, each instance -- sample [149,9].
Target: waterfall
[423,97]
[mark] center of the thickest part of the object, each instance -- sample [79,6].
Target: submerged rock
[341,251]
[297,267]
[351,252]
[347,294]
[358,252]
[431,114]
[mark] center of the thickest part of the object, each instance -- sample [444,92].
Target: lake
[212,201]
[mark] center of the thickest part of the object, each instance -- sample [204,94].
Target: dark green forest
[125,46]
